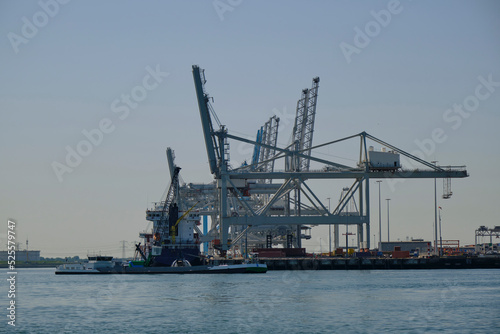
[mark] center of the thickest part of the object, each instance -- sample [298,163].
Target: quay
[335,263]
[352,263]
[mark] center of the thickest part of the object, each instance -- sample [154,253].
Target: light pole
[435,216]
[388,235]
[329,232]
[379,217]
[440,236]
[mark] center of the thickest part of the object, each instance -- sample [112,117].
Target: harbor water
[375,301]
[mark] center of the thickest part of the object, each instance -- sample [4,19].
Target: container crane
[232,208]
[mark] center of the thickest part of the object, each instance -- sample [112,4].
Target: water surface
[384,301]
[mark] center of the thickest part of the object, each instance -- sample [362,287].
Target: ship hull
[169,255]
[252,268]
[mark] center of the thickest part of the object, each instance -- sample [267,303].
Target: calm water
[423,301]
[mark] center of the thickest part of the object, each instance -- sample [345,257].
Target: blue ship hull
[251,268]
[169,255]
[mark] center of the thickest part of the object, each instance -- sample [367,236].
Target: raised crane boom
[264,148]
[270,138]
[257,148]
[170,210]
[170,161]
[206,122]
[304,125]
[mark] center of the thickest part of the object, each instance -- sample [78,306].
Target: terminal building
[487,248]
[21,255]
[417,245]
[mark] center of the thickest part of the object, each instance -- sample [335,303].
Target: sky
[421,75]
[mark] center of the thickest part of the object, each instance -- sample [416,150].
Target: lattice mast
[303,129]
[270,138]
[169,211]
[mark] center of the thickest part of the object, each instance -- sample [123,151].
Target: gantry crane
[232,185]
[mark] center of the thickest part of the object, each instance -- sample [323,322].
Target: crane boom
[270,139]
[206,121]
[170,160]
[169,209]
[304,125]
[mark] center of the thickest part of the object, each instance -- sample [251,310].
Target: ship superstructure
[173,236]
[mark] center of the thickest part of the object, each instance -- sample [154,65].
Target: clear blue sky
[63,78]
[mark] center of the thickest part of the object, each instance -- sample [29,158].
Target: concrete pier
[381,263]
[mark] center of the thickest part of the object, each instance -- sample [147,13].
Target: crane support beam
[409,174]
[289,152]
[400,151]
[302,220]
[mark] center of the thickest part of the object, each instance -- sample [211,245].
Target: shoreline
[336,263]
[331,263]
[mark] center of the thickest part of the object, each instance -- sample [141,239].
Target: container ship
[171,247]
[173,236]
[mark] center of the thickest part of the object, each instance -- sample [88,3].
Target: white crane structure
[290,200]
